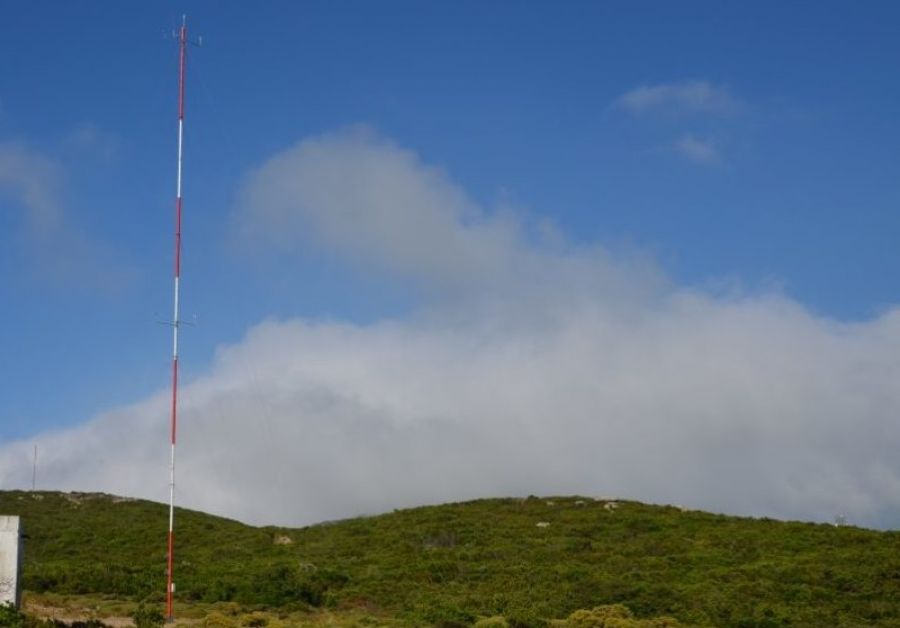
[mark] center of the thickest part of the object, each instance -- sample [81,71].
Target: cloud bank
[532,366]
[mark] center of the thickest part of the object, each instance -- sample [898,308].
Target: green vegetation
[146,617]
[12,618]
[486,562]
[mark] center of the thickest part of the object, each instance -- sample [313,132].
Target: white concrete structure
[10,560]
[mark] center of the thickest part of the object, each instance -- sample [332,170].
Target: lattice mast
[176,322]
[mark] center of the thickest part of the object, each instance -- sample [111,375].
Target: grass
[455,563]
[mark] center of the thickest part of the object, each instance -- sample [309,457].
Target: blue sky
[746,148]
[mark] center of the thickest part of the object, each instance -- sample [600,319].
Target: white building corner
[10,560]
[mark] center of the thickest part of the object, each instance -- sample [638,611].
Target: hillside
[526,559]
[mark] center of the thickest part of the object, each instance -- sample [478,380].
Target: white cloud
[32,178]
[31,182]
[540,369]
[375,203]
[683,97]
[698,150]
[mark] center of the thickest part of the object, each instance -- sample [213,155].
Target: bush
[448,616]
[218,620]
[10,617]
[525,619]
[147,617]
[283,585]
[615,616]
[497,621]
[599,617]
[255,620]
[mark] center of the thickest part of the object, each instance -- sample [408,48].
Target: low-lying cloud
[532,366]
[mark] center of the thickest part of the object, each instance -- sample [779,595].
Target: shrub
[11,617]
[255,620]
[615,616]
[282,585]
[448,616]
[147,617]
[599,617]
[218,620]
[498,621]
[525,619]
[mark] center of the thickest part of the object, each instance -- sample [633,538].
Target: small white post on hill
[34,470]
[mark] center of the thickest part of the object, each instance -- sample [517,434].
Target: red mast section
[170,560]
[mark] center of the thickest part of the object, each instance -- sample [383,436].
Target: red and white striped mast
[170,559]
